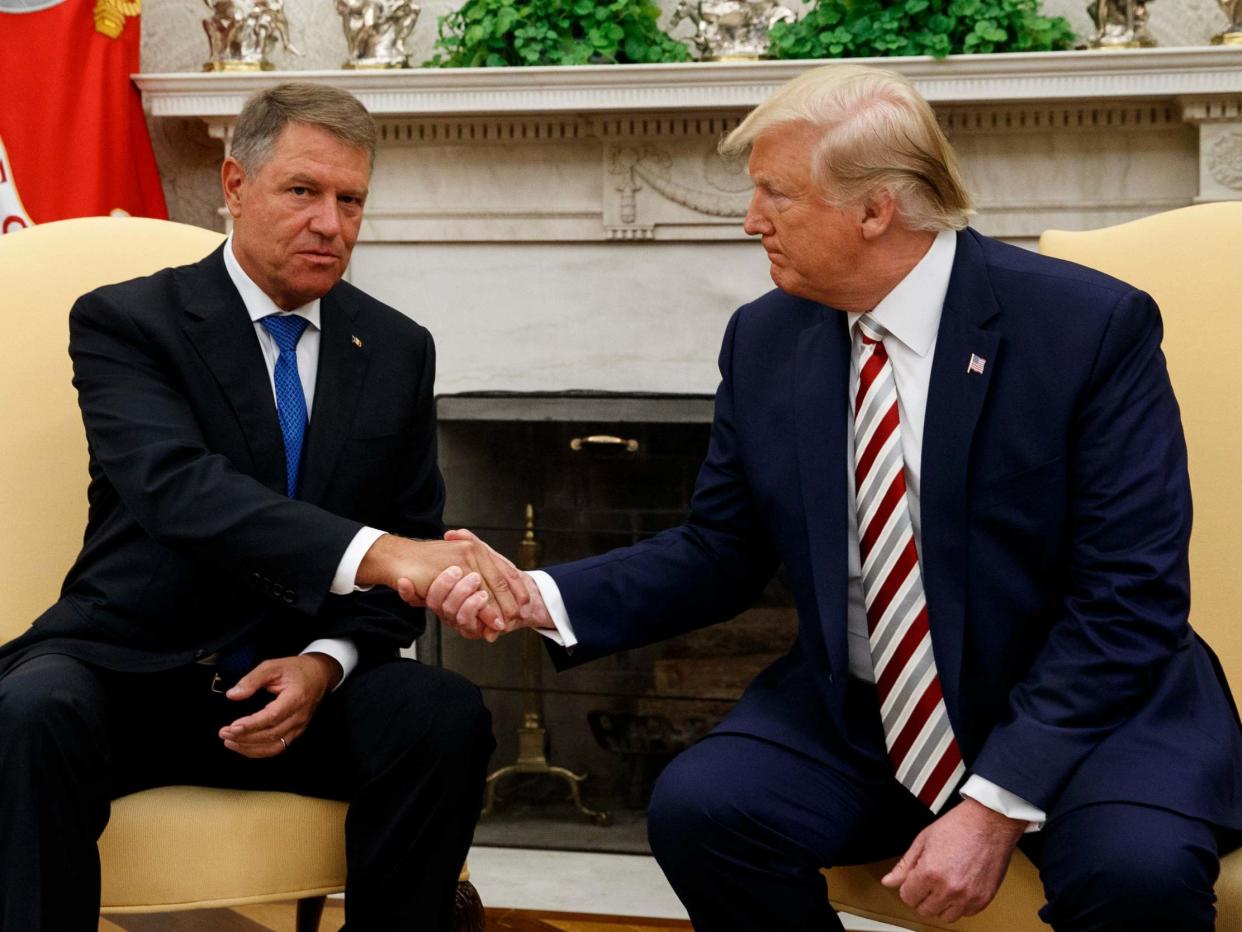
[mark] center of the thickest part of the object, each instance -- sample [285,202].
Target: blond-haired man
[969,460]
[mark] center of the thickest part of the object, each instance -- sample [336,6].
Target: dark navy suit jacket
[191,541]
[1055,522]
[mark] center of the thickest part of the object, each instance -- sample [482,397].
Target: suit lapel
[955,400]
[343,353]
[821,405]
[217,324]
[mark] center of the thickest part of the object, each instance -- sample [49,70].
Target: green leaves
[494,33]
[863,28]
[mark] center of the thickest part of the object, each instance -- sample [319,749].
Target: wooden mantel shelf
[1146,74]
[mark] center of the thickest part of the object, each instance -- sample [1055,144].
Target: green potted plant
[493,33]
[864,28]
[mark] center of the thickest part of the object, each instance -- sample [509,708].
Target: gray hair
[267,113]
[878,133]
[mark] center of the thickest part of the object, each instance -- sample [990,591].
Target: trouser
[405,744]
[741,827]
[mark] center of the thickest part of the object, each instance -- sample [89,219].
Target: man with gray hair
[262,452]
[969,461]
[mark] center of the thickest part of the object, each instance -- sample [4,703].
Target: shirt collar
[911,311]
[258,304]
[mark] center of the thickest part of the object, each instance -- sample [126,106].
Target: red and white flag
[73,140]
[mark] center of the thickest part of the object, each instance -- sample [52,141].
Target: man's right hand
[461,602]
[411,566]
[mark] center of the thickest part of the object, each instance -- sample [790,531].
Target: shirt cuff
[343,650]
[347,570]
[987,793]
[551,594]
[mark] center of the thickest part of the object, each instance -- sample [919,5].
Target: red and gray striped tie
[916,724]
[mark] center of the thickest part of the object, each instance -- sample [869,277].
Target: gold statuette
[1233,32]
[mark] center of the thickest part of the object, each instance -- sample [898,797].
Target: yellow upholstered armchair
[1189,261]
[176,847]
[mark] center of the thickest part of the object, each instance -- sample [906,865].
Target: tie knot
[869,331]
[286,329]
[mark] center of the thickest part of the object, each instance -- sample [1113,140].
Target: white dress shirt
[258,306]
[911,315]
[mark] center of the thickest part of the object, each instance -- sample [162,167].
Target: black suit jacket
[191,541]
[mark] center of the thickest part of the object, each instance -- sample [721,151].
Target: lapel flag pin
[976,365]
[357,343]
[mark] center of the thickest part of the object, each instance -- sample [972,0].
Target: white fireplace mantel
[575,228]
[601,153]
[961,79]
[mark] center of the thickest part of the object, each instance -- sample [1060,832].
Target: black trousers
[405,744]
[741,828]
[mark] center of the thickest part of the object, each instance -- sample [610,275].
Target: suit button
[289,597]
[200,654]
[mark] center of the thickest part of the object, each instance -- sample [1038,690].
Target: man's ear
[878,211]
[232,180]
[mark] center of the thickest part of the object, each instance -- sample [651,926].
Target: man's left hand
[956,864]
[299,684]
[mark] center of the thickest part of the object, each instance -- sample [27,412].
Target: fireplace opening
[552,478]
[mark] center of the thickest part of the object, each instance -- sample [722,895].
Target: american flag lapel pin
[976,364]
[357,343]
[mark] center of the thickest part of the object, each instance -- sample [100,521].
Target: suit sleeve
[1124,614]
[144,436]
[702,572]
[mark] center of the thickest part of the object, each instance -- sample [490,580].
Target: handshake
[465,582]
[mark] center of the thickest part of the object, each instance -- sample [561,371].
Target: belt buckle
[217,684]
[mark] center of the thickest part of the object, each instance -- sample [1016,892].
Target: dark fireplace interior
[598,472]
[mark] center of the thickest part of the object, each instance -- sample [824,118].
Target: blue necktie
[240,658]
[286,330]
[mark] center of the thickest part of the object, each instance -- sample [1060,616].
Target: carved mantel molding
[704,86]
[599,153]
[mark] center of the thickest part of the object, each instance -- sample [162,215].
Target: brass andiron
[532,736]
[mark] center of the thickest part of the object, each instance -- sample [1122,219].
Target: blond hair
[878,133]
[266,113]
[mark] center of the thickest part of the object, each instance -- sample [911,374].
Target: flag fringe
[110,15]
